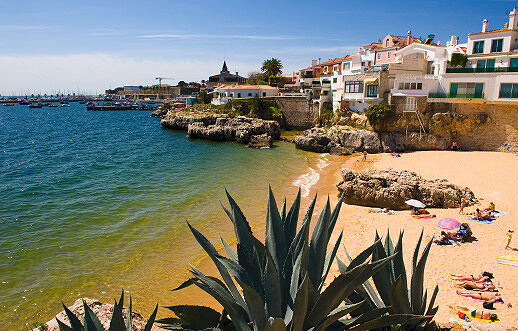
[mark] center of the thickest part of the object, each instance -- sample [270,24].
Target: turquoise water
[91,202]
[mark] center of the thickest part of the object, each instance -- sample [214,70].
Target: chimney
[319,60]
[237,73]
[513,20]
[313,63]
[453,41]
[484,25]
[408,37]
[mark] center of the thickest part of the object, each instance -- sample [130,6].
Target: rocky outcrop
[391,188]
[344,140]
[220,127]
[103,311]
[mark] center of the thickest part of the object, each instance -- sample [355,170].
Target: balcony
[480,70]
[455,96]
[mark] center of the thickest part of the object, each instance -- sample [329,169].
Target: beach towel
[480,220]
[502,302]
[498,213]
[507,259]
[451,242]
[480,319]
[423,216]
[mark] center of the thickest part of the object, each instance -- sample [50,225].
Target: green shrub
[39,326]
[282,279]
[458,60]
[379,113]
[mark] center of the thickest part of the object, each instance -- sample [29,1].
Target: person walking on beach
[364,156]
[464,203]
[509,237]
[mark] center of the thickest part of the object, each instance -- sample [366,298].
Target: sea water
[93,202]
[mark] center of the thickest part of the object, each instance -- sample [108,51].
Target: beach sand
[492,176]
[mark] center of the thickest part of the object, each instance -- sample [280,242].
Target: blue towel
[480,220]
[498,213]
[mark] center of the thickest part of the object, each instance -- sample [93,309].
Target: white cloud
[97,72]
[209,36]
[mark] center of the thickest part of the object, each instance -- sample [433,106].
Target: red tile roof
[492,31]
[245,87]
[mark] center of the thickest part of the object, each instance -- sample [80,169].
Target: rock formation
[103,311]
[220,127]
[391,188]
[344,140]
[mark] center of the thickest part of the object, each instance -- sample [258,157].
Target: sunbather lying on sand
[419,211]
[477,286]
[488,297]
[476,313]
[381,211]
[483,216]
[485,277]
[444,239]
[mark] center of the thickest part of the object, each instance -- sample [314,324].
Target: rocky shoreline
[254,132]
[345,140]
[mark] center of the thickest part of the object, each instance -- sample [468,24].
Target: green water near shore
[92,202]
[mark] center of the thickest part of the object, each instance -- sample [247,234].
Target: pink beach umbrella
[448,223]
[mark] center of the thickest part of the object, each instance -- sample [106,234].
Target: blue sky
[90,46]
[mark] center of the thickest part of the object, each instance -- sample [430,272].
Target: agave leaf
[117,321]
[260,253]
[363,256]
[382,278]
[75,323]
[368,316]
[274,237]
[275,324]
[185,284]
[416,252]
[389,320]
[399,264]
[300,307]
[282,212]
[336,314]
[241,226]
[334,216]
[398,295]
[432,301]
[238,272]
[255,304]
[213,254]
[302,236]
[121,300]
[202,317]
[218,291]
[290,226]
[329,261]
[296,274]
[272,289]
[129,319]
[92,323]
[389,250]
[64,327]
[151,319]
[318,245]
[250,264]
[416,289]
[231,254]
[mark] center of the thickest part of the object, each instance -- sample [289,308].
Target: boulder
[261,141]
[391,188]
[103,311]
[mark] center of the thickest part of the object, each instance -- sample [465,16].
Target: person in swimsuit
[483,216]
[475,313]
[488,297]
[509,237]
[482,287]
[485,277]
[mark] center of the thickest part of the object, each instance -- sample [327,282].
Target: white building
[224,93]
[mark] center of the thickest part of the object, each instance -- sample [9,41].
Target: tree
[182,83]
[272,67]
[257,78]
[205,97]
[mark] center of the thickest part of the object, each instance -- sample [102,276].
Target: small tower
[224,70]
[513,20]
[485,24]
[408,37]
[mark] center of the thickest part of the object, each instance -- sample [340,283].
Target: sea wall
[298,112]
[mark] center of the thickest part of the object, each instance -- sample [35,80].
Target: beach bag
[487,305]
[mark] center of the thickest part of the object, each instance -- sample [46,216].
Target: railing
[480,70]
[455,96]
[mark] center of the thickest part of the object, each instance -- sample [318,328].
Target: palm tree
[272,67]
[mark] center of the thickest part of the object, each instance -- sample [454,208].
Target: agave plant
[282,280]
[92,323]
[392,286]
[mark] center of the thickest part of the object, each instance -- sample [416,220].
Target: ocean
[93,202]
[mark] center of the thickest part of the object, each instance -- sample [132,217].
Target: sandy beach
[492,176]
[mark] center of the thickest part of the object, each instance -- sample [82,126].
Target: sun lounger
[507,259]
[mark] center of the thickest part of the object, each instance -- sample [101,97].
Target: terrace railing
[455,96]
[480,70]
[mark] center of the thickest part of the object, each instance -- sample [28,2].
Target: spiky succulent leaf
[75,323]
[91,322]
[398,295]
[318,245]
[129,319]
[431,308]
[117,321]
[399,264]
[334,216]
[255,305]
[416,289]
[416,252]
[389,320]
[231,254]
[272,289]
[275,324]
[274,237]
[121,300]
[300,308]
[151,319]
[329,260]
[290,226]
[200,316]
[63,327]
[337,314]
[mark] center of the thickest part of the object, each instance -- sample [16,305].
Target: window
[335,80]
[466,90]
[239,95]
[496,45]
[335,67]
[353,87]
[347,65]
[379,56]
[514,62]
[264,94]
[508,91]
[249,94]
[389,54]
[410,86]
[482,65]
[232,94]
[372,91]
[411,103]
[387,42]
[478,47]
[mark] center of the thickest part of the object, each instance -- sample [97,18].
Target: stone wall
[298,112]
[473,124]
